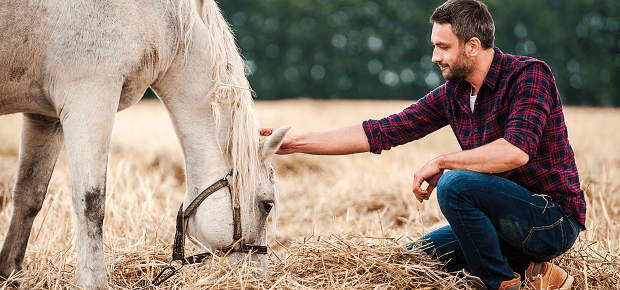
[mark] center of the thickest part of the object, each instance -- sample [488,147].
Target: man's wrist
[441,162]
[293,144]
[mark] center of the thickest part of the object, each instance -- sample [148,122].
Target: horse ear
[271,144]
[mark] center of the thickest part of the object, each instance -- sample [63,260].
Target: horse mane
[231,94]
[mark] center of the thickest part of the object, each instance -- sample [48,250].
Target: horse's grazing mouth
[238,245]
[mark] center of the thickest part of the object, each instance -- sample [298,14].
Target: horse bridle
[178,252]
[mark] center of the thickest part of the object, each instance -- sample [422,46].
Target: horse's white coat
[70,65]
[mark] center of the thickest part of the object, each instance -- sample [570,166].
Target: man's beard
[459,70]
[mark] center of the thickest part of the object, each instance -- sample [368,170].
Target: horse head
[216,227]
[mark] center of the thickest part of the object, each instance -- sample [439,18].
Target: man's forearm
[495,157]
[341,141]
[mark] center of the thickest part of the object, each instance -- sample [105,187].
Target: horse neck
[241,139]
[223,133]
[231,85]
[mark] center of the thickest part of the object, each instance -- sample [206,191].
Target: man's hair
[469,18]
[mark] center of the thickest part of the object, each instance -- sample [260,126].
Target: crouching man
[512,197]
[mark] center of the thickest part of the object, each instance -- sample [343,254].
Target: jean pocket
[547,242]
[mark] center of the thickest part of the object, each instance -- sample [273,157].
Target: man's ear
[271,144]
[473,46]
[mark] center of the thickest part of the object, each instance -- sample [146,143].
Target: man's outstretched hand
[286,147]
[345,140]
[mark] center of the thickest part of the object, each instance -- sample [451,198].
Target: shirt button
[476,130]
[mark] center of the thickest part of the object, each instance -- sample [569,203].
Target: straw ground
[343,221]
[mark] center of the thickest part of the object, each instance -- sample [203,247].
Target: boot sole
[568,283]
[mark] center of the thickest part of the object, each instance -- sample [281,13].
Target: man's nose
[436,56]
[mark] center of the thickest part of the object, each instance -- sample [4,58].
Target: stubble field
[343,219]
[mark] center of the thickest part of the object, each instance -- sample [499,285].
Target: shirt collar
[493,76]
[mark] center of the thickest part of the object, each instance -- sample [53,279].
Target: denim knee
[450,184]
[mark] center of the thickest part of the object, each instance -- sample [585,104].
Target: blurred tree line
[362,49]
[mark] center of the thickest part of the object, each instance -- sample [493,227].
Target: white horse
[70,65]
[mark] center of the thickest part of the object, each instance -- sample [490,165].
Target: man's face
[448,53]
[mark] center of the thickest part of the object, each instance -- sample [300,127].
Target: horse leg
[87,123]
[41,141]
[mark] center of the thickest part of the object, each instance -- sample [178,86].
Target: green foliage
[354,49]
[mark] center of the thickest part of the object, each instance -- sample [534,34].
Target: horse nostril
[267,206]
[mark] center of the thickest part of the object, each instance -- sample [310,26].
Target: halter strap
[203,195]
[178,252]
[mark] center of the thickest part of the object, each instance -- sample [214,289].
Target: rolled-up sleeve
[531,104]
[416,121]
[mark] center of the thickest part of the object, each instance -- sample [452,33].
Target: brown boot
[477,284]
[546,276]
[514,284]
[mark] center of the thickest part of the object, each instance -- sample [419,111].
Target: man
[512,197]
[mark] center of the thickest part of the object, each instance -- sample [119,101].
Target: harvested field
[344,220]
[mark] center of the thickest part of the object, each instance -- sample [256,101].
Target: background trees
[359,49]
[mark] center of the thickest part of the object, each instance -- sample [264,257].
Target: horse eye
[267,205]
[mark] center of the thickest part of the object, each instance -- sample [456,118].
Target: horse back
[48,46]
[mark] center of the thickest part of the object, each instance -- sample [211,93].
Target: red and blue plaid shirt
[519,102]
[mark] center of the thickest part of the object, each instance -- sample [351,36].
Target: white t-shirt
[472,101]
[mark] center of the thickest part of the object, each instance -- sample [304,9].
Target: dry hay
[323,196]
[348,262]
[592,267]
[331,262]
[353,262]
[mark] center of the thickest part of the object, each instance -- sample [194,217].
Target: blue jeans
[496,227]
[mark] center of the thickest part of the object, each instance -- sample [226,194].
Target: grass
[343,222]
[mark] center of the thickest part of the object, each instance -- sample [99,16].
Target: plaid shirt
[519,102]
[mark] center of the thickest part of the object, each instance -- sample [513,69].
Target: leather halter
[238,244]
[178,252]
